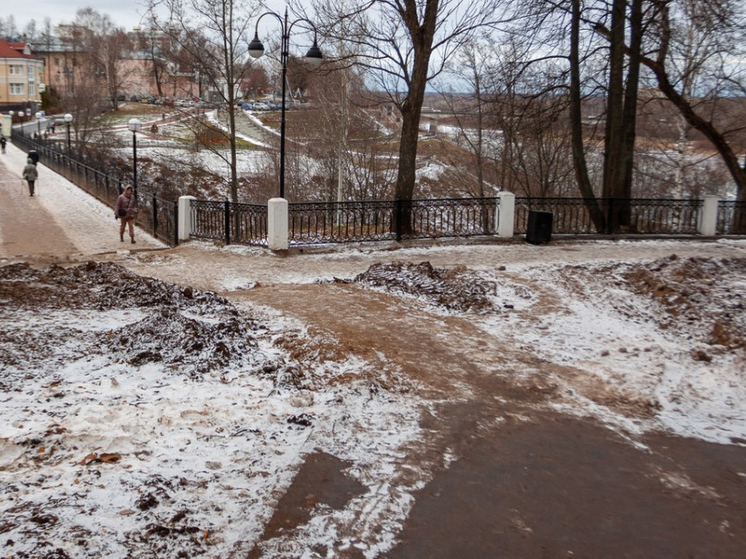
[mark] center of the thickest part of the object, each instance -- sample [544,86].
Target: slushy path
[61,222]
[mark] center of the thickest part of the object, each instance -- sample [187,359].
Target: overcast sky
[124,13]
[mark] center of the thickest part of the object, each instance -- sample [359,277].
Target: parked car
[261,106]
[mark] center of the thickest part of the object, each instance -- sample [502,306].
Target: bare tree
[156,46]
[404,44]
[470,67]
[212,34]
[103,46]
[718,28]
[8,29]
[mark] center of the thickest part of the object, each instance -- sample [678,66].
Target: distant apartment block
[21,78]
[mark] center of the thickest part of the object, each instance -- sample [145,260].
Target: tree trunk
[623,215]
[576,123]
[613,142]
[411,108]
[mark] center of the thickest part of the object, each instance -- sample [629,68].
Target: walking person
[126,211]
[30,175]
[3,141]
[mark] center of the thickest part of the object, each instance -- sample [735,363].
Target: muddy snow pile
[141,419]
[452,289]
[704,299]
[189,331]
[645,345]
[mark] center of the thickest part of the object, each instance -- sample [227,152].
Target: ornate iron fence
[573,216]
[332,222]
[335,222]
[161,217]
[229,223]
[731,217]
[568,214]
[451,217]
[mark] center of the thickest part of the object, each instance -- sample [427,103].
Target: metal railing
[572,216]
[333,222]
[161,215]
[731,218]
[336,222]
[450,217]
[228,222]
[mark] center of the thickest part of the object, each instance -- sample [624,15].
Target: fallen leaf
[87,460]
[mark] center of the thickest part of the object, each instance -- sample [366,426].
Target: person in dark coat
[30,174]
[34,156]
[126,211]
[3,141]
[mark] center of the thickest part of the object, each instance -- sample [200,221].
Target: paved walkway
[60,223]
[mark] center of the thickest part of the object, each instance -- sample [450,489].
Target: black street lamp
[134,125]
[256,49]
[68,120]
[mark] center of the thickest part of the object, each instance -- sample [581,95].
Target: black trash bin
[539,227]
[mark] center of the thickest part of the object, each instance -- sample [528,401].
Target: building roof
[14,50]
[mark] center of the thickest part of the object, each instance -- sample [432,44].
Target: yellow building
[21,79]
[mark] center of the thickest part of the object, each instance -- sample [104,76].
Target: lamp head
[68,118]
[256,48]
[314,55]
[134,125]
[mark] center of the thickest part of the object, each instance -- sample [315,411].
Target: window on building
[16,89]
[30,71]
[15,70]
[57,61]
[31,89]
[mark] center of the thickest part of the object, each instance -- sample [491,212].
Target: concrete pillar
[185,217]
[709,219]
[277,224]
[505,215]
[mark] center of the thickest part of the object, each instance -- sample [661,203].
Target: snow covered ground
[144,417]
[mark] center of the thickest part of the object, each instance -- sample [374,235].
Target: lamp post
[68,120]
[256,49]
[134,125]
[38,124]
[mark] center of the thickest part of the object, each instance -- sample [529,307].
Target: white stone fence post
[277,224]
[185,217]
[505,215]
[708,222]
